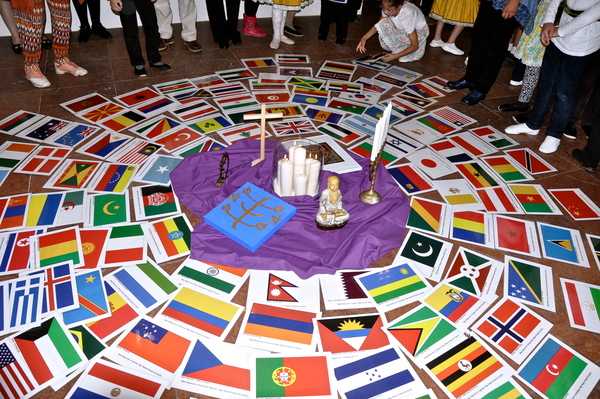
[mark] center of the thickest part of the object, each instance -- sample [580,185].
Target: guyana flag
[285,377]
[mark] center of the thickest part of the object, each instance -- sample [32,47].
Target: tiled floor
[110,74]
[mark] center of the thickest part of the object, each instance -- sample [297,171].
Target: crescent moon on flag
[554,366]
[105,208]
[185,136]
[424,254]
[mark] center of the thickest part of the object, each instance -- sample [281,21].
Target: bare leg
[6,12]
[438,30]
[456,31]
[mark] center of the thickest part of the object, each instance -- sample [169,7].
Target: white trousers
[187,14]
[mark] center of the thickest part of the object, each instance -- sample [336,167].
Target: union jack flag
[294,126]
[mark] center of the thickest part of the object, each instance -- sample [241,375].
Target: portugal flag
[285,377]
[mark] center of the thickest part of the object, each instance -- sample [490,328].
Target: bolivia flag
[58,247]
[284,377]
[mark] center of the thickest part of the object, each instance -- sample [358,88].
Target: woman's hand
[116,5]
[389,57]
[548,32]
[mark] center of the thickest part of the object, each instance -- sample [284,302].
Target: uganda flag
[285,377]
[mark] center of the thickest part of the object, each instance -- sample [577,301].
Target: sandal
[17,49]
[46,43]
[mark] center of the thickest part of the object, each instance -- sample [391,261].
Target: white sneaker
[521,128]
[37,79]
[549,145]
[452,49]
[436,43]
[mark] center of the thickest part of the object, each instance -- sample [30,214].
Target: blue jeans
[559,78]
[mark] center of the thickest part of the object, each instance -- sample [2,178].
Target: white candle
[286,177]
[313,167]
[299,161]
[300,183]
[291,152]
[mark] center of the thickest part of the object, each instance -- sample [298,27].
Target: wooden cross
[263,121]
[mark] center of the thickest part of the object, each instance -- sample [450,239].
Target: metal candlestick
[371,196]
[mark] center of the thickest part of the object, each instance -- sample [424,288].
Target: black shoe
[340,41]
[473,97]
[577,154]
[140,72]
[84,34]
[224,44]
[521,118]
[322,37]
[46,43]
[297,27]
[236,38]
[514,107]
[570,131]
[17,48]
[101,31]
[292,31]
[587,129]
[460,84]
[162,67]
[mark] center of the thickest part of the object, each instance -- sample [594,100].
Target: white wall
[110,20]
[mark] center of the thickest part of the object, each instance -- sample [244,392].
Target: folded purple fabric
[373,230]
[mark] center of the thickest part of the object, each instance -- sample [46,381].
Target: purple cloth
[372,231]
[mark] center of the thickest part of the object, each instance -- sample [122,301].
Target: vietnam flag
[284,377]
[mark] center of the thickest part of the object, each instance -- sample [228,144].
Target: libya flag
[288,377]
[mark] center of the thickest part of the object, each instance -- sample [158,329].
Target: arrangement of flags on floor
[82,260]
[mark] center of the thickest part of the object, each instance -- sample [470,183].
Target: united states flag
[452,116]
[14,381]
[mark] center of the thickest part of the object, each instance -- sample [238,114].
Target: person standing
[187,14]
[29,17]
[459,13]
[85,31]
[569,47]
[493,28]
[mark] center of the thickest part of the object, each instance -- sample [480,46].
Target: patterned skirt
[395,40]
[455,12]
[288,5]
[530,49]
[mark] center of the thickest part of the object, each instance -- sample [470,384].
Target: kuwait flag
[583,301]
[201,311]
[284,377]
[155,344]
[392,282]
[209,364]
[122,314]
[108,380]
[553,369]
[48,351]
[174,234]
[126,244]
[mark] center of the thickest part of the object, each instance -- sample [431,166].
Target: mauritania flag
[283,377]
[148,284]
[374,374]
[201,311]
[554,369]
[108,380]
[392,282]
[48,351]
